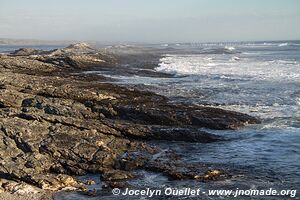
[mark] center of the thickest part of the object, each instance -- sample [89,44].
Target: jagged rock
[54,125]
[113,175]
[79,55]
[20,188]
[26,52]
[77,48]
[81,45]
[90,182]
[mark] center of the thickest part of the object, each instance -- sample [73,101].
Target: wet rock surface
[55,125]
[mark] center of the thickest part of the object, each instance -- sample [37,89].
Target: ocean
[261,79]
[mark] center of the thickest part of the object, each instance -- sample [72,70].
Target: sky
[151,21]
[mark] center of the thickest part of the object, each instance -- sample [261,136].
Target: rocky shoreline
[55,125]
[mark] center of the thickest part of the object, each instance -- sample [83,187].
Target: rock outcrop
[54,125]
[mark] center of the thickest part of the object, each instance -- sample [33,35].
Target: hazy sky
[150,20]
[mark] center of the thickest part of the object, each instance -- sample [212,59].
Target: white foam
[298,101]
[283,44]
[229,48]
[234,58]
[224,65]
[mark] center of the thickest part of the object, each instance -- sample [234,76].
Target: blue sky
[150,21]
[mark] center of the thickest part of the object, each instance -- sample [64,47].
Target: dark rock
[26,52]
[115,184]
[113,175]
[54,125]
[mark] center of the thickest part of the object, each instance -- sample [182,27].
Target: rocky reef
[55,125]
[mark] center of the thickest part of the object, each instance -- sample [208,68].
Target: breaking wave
[233,66]
[223,50]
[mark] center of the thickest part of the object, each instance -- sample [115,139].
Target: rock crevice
[55,124]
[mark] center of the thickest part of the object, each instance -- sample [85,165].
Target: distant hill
[8,41]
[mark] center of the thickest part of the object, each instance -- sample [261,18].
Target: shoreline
[56,125]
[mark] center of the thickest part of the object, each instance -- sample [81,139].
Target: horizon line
[137,42]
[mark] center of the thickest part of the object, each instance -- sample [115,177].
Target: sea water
[261,79]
